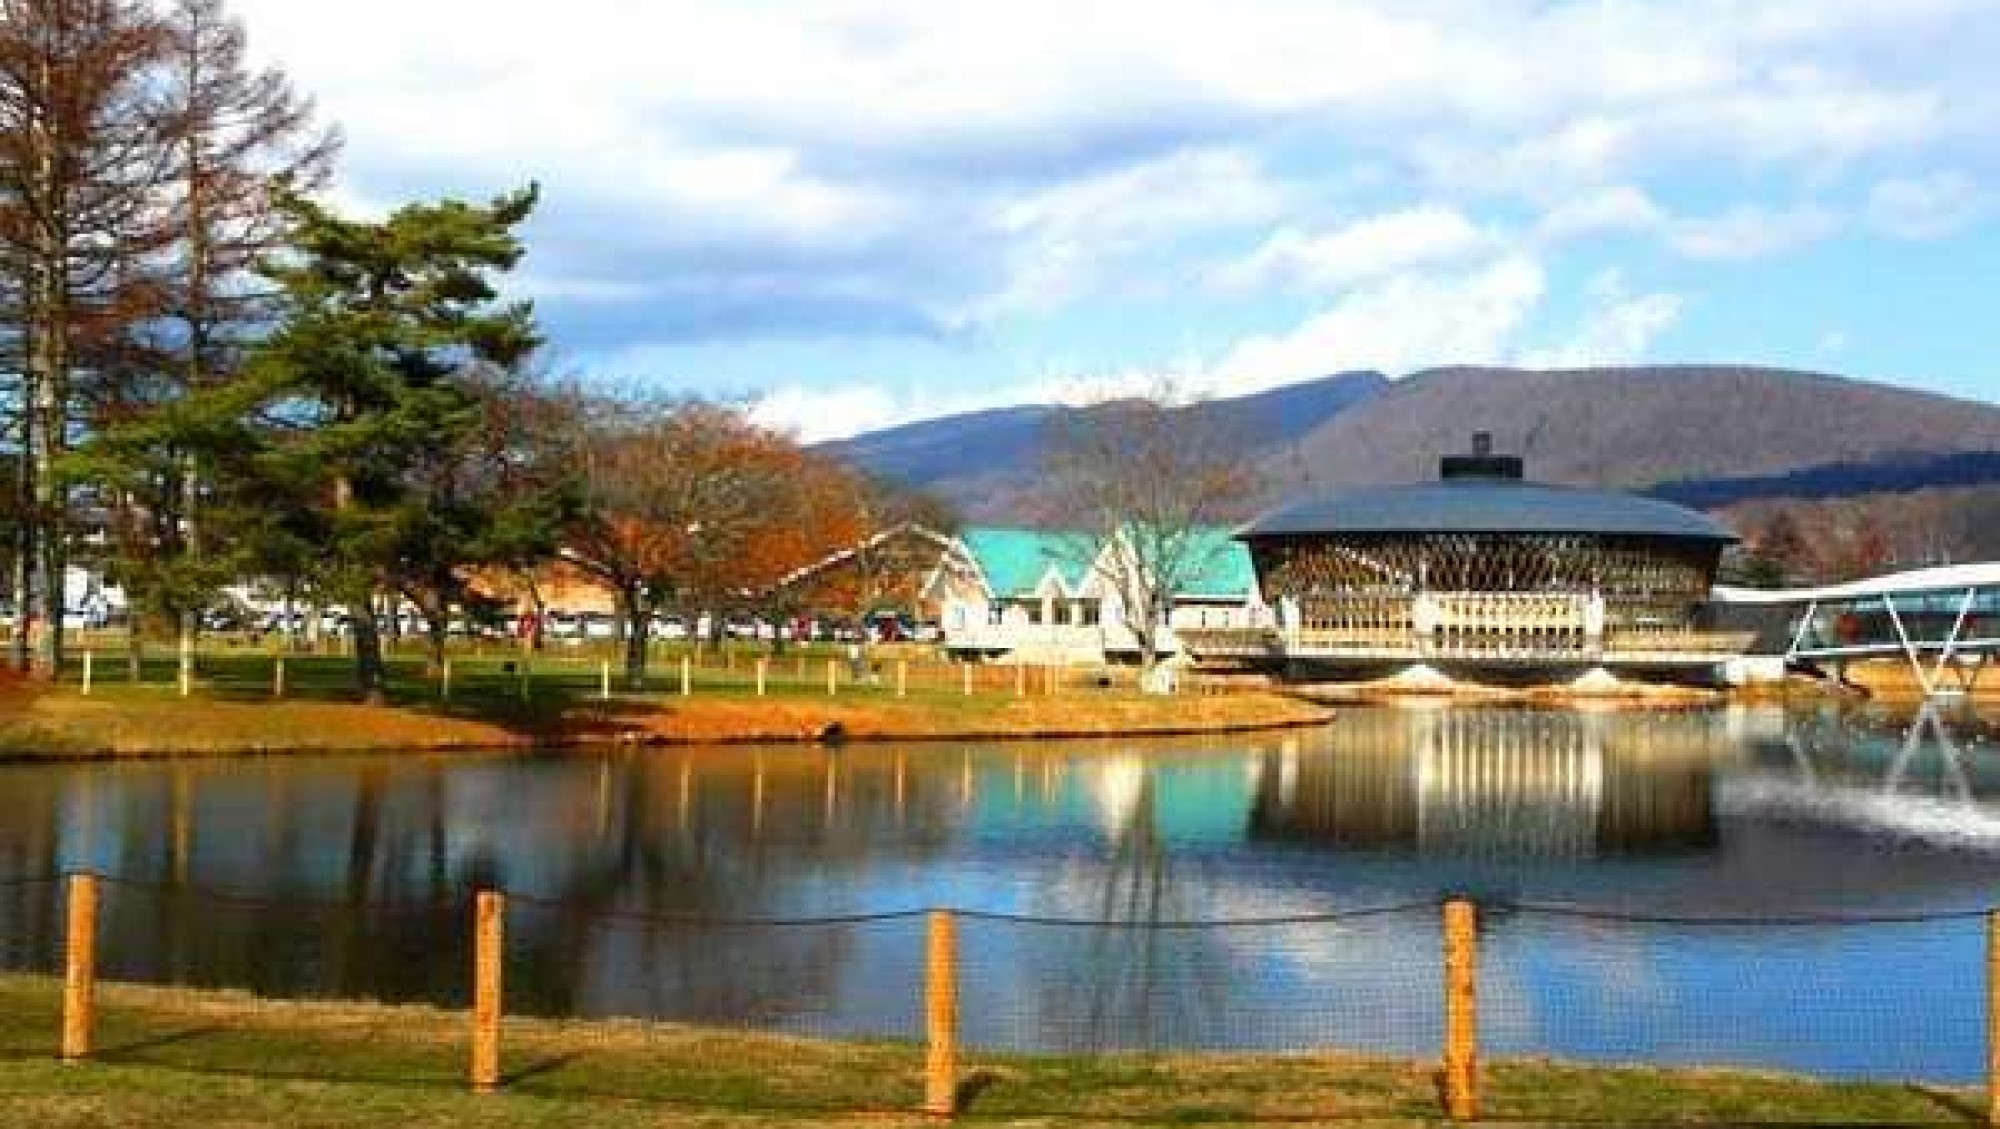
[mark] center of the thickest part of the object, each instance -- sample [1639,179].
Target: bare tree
[82,158]
[1141,481]
[235,135]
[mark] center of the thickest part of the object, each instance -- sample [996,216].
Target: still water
[680,884]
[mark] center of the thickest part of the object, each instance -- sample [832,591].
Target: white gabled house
[1049,597]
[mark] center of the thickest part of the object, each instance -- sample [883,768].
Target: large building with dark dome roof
[1483,568]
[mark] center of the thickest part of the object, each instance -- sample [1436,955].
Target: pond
[1666,886]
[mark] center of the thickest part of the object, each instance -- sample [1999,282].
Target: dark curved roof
[1486,506]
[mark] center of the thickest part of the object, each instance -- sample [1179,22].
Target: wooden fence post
[1993,1018]
[941,1016]
[278,677]
[603,680]
[444,681]
[80,969]
[687,676]
[1461,1010]
[1020,679]
[832,677]
[965,678]
[87,662]
[763,666]
[489,913]
[902,678]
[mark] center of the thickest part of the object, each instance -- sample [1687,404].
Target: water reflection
[1526,783]
[1732,810]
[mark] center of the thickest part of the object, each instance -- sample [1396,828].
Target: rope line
[1591,913]
[287,901]
[653,918]
[1328,917]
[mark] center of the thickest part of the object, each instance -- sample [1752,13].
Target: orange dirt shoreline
[63,726]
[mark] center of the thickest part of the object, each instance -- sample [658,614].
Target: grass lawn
[174,1058]
[498,699]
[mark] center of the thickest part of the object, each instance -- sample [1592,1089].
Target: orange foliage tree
[693,506]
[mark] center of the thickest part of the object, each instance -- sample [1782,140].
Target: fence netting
[1364,981]
[1314,1016]
[816,1014]
[31,941]
[302,948]
[1838,997]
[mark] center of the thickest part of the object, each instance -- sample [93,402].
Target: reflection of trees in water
[330,843]
[1131,984]
[1494,782]
[30,845]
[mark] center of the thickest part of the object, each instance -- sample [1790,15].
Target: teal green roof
[1015,560]
[1219,565]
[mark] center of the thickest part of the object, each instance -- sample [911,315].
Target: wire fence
[947,997]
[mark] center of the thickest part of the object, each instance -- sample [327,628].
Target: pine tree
[369,377]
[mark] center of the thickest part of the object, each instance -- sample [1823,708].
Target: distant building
[1045,596]
[1486,574]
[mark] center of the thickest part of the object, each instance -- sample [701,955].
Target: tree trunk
[638,622]
[135,645]
[369,677]
[438,632]
[190,625]
[21,581]
[48,364]
[531,640]
[190,618]
[1147,632]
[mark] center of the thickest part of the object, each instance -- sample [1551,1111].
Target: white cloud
[721,171]
[1619,329]
[1082,237]
[1749,231]
[1395,325]
[1612,210]
[1368,248]
[814,414]
[1927,207]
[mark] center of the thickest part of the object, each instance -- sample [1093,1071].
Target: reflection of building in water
[1536,783]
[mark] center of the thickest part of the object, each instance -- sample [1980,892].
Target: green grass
[499,698]
[486,677]
[171,1058]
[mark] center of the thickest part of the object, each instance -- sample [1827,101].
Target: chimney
[1482,465]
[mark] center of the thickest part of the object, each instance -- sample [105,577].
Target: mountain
[1636,427]
[987,463]
[1709,434]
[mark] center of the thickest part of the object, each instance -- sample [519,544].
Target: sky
[866,212]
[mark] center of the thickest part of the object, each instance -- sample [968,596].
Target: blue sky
[869,212]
